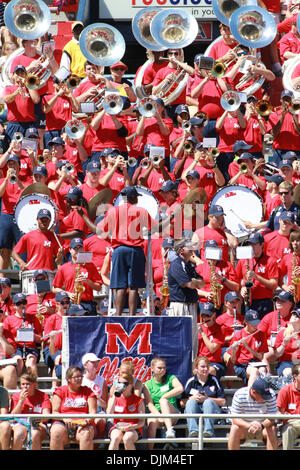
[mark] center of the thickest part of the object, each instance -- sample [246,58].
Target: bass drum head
[146,200]
[239,204]
[27,208]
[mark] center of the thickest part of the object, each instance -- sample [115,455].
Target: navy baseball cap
[251,316]
[43,213]
[76,242]
[184,242]
[216,210]
[32,132]
[277,179]
[111,151]
[168,242]
[168,186]
[130,191]
[13,158]
[245,156]
[182,108]
[74,193]
[286,162]
[255,237]
[231,296]
[147,147]
[287,215]
[296,312]
[18,297]
[59,296]
[288,93]
[211,243]
[92,167]
[57,141]
[262,387]
[290,154]
[196,121]
[40,170]
[160,101]
[207,308]
[6,281]
[76,310]
[61,163]
[284,295]
[241,145]
[40,272]
[193,174]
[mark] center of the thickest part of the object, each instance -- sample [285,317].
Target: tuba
[102,44]
[253,26]
[27,19]
[230,101]
[75,129]
[146,107]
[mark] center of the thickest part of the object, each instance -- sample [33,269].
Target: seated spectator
[288,404]
[98,385]
[286,345]
[124,400]
[203,393]
[30,400]
[5,426]
[73,398]
[164,388]
[255,399]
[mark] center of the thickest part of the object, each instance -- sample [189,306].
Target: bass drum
[146,200]
[240,204]
[27,208]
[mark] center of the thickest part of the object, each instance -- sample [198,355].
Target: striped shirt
[242,403]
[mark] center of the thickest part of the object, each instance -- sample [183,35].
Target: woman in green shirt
[163,388]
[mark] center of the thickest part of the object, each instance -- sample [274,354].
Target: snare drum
[27,208]
[28,283]
[239,204]
[146,200]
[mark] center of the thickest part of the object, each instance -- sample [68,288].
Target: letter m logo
[140,333]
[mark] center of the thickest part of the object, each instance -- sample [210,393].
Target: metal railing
[200,440]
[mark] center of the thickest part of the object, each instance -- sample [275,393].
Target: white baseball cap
[89,357]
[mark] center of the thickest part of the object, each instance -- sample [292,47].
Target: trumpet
[112,103]
[186,126]
[69,168]
[243,167]
[219,69]
[18,137]
[42,160]
[294,107]
[73,81]
[13,177]
[156,159]
[145,163]
[188,147]
[75,129]
[146,107]
[131,161]
[214,152]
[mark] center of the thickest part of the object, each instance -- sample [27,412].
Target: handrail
[200,439]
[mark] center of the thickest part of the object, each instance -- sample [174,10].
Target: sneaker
[207,434]
[193,434]
[170,433]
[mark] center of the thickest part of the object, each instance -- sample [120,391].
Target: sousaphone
[141,29]
[27,19]
[223,9]
[102,44]
[174,28]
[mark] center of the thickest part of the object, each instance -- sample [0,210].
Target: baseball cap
[216,210]
[40,170]
[92,167]
[290,154]
[251,97]
[296,312]
[184,243]
[277,179]
[245,156]
[119,64]
[193,174]
[182,108]
[76,242]
[288,93]
[284,295]
[57,141]
[240,145]
[210,243]
[262,388]
[231,296]
[76,310]
[286,162]
[74,193]
[160,101]
[89,357]
[196,121]
[6,281]
[61,295]
[168,186]
[31,132]
[40,272]
[206,308]
[13,158]
[43,213]
[18,68]
[287,215]
[251,316]
[130,191]
[168,242]
[255,237]
[61,163]
[18,297]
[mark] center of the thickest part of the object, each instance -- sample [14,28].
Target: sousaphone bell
[141,24]
[223,9]
[75,129]
[230,101]
[174,28]
[27,19]
[102,44]
[253,26]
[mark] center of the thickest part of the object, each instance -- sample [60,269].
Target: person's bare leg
[120,296]
[5,258]
[132,300]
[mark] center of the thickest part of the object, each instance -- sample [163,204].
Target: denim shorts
[128,267]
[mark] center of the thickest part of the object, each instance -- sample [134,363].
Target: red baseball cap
[119,64]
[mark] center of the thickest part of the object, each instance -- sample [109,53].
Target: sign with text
[140,339]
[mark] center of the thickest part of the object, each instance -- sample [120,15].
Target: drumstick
[231,210]
[59,244]
[31,260]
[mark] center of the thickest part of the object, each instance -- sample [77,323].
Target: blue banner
[139,339]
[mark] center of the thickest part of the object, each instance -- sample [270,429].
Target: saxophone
[39,316]
[164,290]
[248,285]
[78,288]
[215,287]
[295,279]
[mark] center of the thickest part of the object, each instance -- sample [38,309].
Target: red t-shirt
[34,404]
[258,342]
[48,300]
[288,138]
[153,135]
[10,197]
[288,399]
[151,72]
[60,113]
[99,247]
[270,204]
[224,268]
[22,108]
[25,60]
[229,133]
[116,182]
[106,136]
[291,352]
[74,402]
[269,322]
[161,75]
[126,406]
[42,245]
[266,267]
[13,323]
[215,335]
[206,233]
[252,134]
[65,278]
[209,99]
[73,221]
[276,245]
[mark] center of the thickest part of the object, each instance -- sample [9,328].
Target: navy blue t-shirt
[273,221]
[181,273]
[212,387]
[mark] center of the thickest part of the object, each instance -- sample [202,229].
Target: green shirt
[157,390]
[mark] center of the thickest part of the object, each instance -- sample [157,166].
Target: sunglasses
[119,68]
[173,53]
[284,192]
[65,302]
[23,302]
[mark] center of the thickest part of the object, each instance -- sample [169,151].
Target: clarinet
[23,326]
